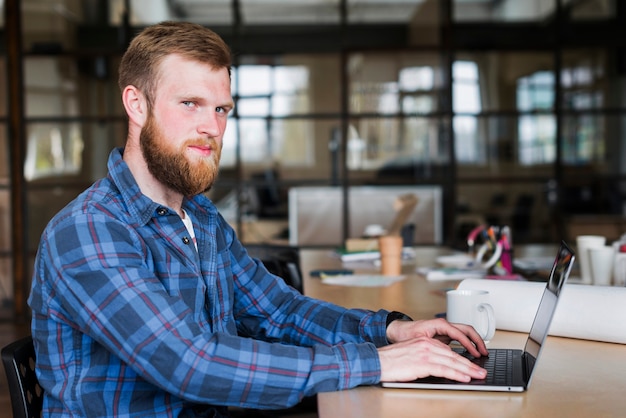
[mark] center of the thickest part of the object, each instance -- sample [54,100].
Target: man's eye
[188,103]
[223,109]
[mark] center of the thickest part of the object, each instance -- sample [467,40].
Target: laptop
[510,370]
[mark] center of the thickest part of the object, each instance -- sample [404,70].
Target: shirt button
[161,211]
[186,240]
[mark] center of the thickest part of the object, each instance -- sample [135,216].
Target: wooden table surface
[573,378]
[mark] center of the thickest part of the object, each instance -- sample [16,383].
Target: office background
[515,109]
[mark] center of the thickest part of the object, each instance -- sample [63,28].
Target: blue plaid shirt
[129,319]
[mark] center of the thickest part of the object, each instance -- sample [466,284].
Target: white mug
[601,260]
[583,244]
[471,307]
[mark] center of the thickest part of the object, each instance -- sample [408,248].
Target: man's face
[181,140]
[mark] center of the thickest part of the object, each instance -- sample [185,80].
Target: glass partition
[396,133]
[503,130]
[62,86]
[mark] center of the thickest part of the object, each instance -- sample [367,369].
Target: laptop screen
[539,331]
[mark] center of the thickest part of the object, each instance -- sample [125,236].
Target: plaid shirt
[129,319]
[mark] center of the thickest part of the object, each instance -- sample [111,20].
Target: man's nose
[210,125]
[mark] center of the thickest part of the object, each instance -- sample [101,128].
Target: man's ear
[135,105]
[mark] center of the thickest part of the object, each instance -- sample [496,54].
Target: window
[393,101]
[53,149]
[266,94]
[585,88]
[469,144]
[537,132]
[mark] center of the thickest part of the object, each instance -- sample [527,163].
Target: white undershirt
[189,225]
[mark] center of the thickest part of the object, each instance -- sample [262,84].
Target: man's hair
[140,64]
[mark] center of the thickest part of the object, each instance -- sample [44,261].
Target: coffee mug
[583,244]
[471,307]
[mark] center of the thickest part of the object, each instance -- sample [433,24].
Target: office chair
[18,359]
[281,260]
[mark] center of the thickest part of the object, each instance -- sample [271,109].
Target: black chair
[18,359]
[281,260]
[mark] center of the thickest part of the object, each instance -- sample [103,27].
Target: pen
[491,235]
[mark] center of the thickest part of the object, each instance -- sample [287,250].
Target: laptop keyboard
[499,365]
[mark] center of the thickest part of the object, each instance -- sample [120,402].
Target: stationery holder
[491,246]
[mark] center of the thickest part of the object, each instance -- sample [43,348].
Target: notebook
[511,370]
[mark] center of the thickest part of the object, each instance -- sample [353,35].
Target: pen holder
[496,258]
[488,255]
[390,247]
[495,253]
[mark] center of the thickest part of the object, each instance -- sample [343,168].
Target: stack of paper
[347,256]
[361,280]
[451,273]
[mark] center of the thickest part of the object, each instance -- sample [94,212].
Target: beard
[170,166]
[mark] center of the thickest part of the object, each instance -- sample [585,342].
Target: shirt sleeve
[266,308]
[96,275]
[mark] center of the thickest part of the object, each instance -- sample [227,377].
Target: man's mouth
[204,149]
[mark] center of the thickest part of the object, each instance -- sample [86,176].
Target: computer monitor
[315,213]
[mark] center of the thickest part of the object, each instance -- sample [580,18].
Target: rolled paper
[584,311]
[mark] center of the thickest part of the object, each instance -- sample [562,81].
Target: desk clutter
[601,263]
[492,248]
[489,254]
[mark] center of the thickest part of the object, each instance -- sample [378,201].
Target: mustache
[202,142]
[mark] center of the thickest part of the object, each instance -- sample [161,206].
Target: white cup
[471,307]
[583,244]
[601,264]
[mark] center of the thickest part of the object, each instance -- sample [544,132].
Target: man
[146,304]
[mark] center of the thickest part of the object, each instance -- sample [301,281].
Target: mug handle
[488,315]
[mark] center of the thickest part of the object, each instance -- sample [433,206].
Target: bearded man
[145,303]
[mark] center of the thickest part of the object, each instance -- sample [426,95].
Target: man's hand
[420,349]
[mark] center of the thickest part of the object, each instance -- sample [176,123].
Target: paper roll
[584,311]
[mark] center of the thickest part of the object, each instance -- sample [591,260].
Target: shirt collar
[140,206]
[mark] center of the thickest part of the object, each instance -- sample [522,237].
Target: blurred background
[507,112]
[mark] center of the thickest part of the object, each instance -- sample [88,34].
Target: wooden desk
[574,378]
